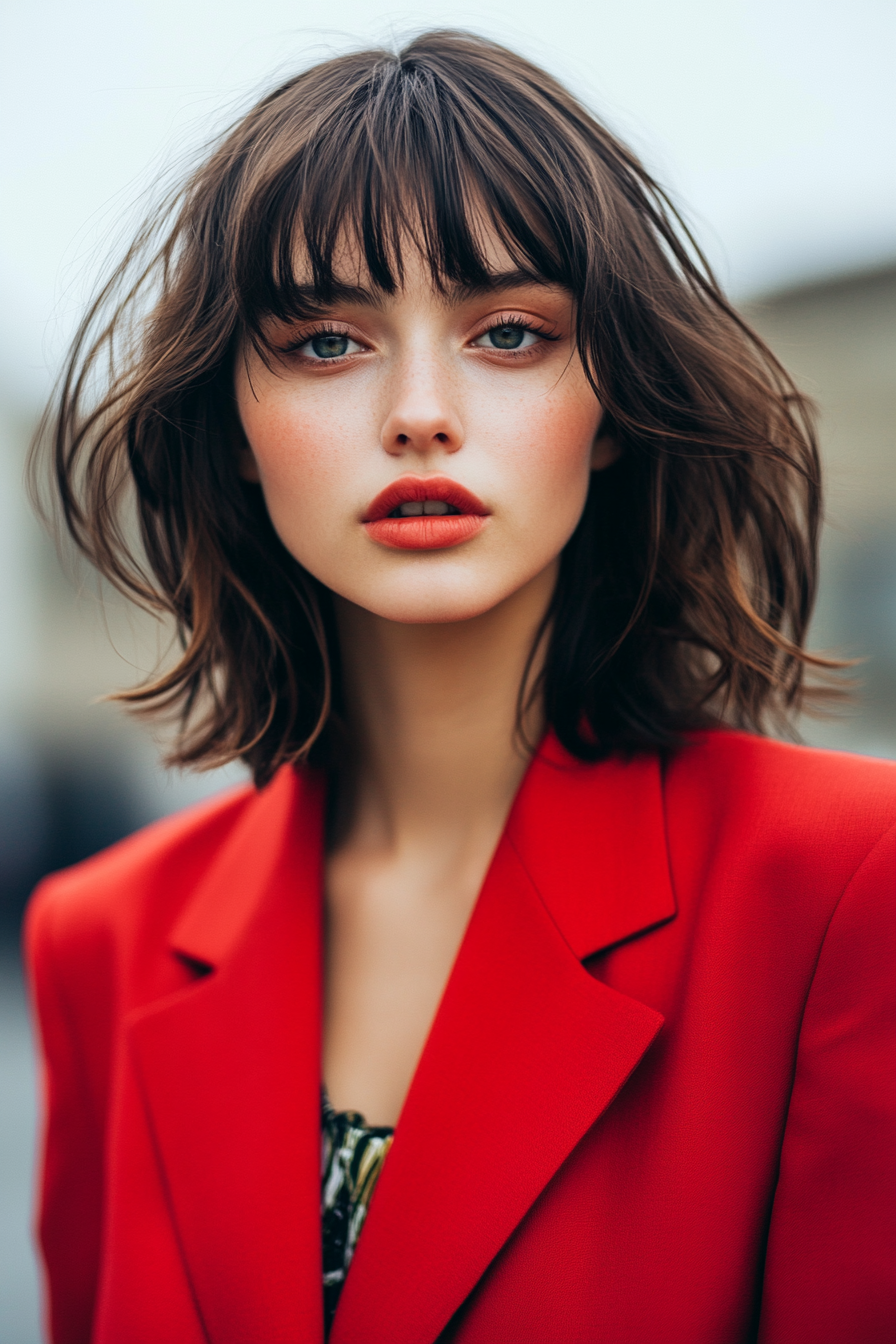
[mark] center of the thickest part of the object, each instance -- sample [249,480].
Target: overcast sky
[772,121]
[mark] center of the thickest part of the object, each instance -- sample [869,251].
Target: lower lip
[428,533]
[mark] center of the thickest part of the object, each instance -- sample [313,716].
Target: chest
[392,929]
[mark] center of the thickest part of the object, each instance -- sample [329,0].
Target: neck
[433,712]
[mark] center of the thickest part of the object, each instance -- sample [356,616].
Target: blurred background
[771,122]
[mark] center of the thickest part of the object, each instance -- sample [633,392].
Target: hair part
[685,592]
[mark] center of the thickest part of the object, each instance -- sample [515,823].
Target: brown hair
[685,591]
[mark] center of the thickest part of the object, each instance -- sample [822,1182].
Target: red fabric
[657,1102]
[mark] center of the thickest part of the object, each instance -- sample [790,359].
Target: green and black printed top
[352,1157]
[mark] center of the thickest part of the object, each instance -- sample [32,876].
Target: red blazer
[655,1107]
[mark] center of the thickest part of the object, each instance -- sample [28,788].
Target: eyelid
[539,327]
[323,327]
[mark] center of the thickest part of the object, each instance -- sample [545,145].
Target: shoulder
[799,783]
[101,937]
[780,808]
[142,881]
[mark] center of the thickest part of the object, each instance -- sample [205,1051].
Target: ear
[605,449]
[246,464]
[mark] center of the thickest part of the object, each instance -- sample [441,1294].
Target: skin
[434,643]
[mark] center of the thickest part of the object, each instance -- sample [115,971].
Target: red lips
[426,532]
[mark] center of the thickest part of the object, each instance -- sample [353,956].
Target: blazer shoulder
[156,865]
[787,794]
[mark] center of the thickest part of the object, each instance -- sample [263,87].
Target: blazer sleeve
[830,1275]
[71,1182]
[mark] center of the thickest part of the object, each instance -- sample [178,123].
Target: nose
[423,416]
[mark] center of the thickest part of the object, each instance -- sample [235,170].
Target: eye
[329,345]
[506,336]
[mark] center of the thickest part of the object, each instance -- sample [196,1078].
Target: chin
[432,603]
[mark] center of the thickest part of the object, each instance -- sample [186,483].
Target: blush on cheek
[557,459]
[290,455]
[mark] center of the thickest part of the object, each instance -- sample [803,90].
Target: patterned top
[352,1157]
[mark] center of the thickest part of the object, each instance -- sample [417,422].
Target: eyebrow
[498,282]
[308,298]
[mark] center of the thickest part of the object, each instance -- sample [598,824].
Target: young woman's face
[425,457]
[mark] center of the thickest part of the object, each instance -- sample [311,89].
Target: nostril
[442,438]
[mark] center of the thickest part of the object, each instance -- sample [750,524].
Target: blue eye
[508,336]
[327,346]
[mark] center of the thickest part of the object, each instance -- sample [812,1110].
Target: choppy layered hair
[685,591]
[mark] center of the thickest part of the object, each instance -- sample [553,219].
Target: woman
[490,532]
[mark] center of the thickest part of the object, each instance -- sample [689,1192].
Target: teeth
[413,508]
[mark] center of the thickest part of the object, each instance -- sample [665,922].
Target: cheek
[548,457]
[301,451]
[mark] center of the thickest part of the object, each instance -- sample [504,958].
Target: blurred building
[76,774]
[838,338]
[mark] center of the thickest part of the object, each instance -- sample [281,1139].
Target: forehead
[351,281]
[412,252]
[360,248]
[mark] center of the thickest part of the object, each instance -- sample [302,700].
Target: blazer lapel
[527,1049]
[593,840]
[230,1073]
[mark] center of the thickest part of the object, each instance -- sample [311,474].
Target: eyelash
[320,329]
[517,320]
[503,320]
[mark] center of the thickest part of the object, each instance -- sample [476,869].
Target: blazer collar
[593,840]
[526,1051]
[280,827]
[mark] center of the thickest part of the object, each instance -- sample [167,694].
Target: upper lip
[422,487]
